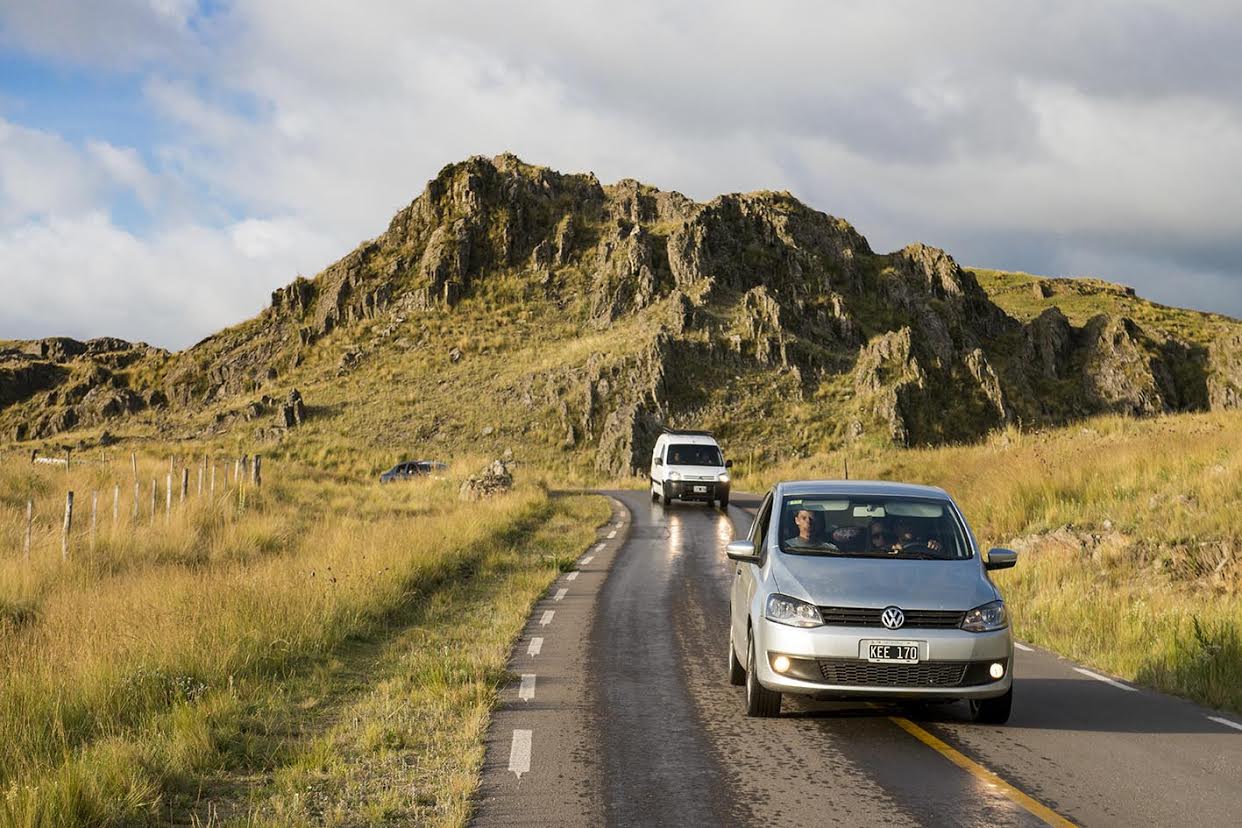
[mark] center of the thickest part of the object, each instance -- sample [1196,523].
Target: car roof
[691,439]
[878,488]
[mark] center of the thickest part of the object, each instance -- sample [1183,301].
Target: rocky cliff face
[754,292]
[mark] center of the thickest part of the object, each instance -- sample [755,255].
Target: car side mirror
[659,461]
[728,464]
[742,551]
[1000,559]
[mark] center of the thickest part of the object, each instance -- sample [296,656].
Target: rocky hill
[511,306]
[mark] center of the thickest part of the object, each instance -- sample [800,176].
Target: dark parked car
[412,468]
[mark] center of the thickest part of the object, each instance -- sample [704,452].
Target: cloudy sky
[165,164]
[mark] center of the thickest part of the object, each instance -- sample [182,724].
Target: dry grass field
[1130,533]
[263,655]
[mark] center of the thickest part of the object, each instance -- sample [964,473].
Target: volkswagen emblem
[892,618]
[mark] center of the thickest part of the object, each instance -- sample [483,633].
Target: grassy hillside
[264,655]
[1132,551]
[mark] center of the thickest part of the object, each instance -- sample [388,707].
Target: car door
[746,575]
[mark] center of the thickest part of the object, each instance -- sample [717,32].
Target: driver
[910,536]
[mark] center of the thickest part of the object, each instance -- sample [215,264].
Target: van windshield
[871,527]
[690,454]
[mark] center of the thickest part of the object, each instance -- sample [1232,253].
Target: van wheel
[724,503]
[655,498]
[737,672]
[992,711]
[760,701]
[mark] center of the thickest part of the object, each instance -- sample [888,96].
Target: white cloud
[1096,137]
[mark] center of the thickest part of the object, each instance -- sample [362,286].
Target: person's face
[879,537]
[905,531]
[804,520]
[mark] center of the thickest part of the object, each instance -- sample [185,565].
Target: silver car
[850,589]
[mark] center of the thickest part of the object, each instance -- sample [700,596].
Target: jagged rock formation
[646,308]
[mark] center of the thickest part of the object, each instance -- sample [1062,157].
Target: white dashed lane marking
[586,560]
[1226,722]
[612,534]
[526,691]
[1104,679]
[560,593]
[536,646]
[546,618]
[1023,647]
[519,752]
[573,576]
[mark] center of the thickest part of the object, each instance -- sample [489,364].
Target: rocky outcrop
[493,481]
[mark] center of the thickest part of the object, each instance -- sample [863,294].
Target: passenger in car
[881,537]
[810,526]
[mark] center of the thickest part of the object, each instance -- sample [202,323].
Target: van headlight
[785,610]
[723,477]
[986,618]
[674,475]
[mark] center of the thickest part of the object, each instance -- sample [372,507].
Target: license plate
[890,652]
[700,489]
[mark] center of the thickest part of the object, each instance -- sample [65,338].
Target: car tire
[992,711]
[760,701]
[737,670]
[724,503]
[655,496]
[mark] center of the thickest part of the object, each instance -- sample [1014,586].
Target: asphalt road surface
[623,715]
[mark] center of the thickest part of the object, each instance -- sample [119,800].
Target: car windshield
[690,454]
[871,527]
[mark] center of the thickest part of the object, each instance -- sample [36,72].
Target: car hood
[882,582]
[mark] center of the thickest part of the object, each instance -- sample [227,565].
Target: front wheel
[760,701]
[992,711]
[724,503]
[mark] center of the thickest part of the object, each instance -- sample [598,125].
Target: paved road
[625,717]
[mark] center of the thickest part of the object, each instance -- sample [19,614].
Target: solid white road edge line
[1023,647]
[519,752]
[1104,679]
[1226,722]
[536,646]
[612,534]
[546,618]
[573,576]
[526,691]
[586,560]
[560,593]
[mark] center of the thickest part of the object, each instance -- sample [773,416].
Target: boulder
[495,480]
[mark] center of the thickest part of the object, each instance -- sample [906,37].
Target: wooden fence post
[133,461]
[116,504]
[236,470]
[168,498]
[185,483]
[29,524]
[200,481]
[213,479]
[257,476]
[137,494]
[94,514]
[64,533]
[154,488]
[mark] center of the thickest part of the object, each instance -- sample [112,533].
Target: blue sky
[166,164]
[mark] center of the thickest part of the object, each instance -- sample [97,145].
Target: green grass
[173,653]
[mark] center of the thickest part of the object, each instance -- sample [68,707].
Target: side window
[759,529]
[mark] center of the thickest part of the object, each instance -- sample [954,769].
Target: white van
[688,465]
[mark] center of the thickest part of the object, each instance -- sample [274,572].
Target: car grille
[919,619]
[850,671]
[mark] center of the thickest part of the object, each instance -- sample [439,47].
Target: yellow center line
[1032,806]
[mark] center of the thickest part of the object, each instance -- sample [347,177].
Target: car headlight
[723,478]
[785,610]
[674,475]
[986,618]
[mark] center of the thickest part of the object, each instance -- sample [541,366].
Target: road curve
[623,715]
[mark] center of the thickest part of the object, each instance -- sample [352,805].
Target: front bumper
[825,663]
[685,489]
